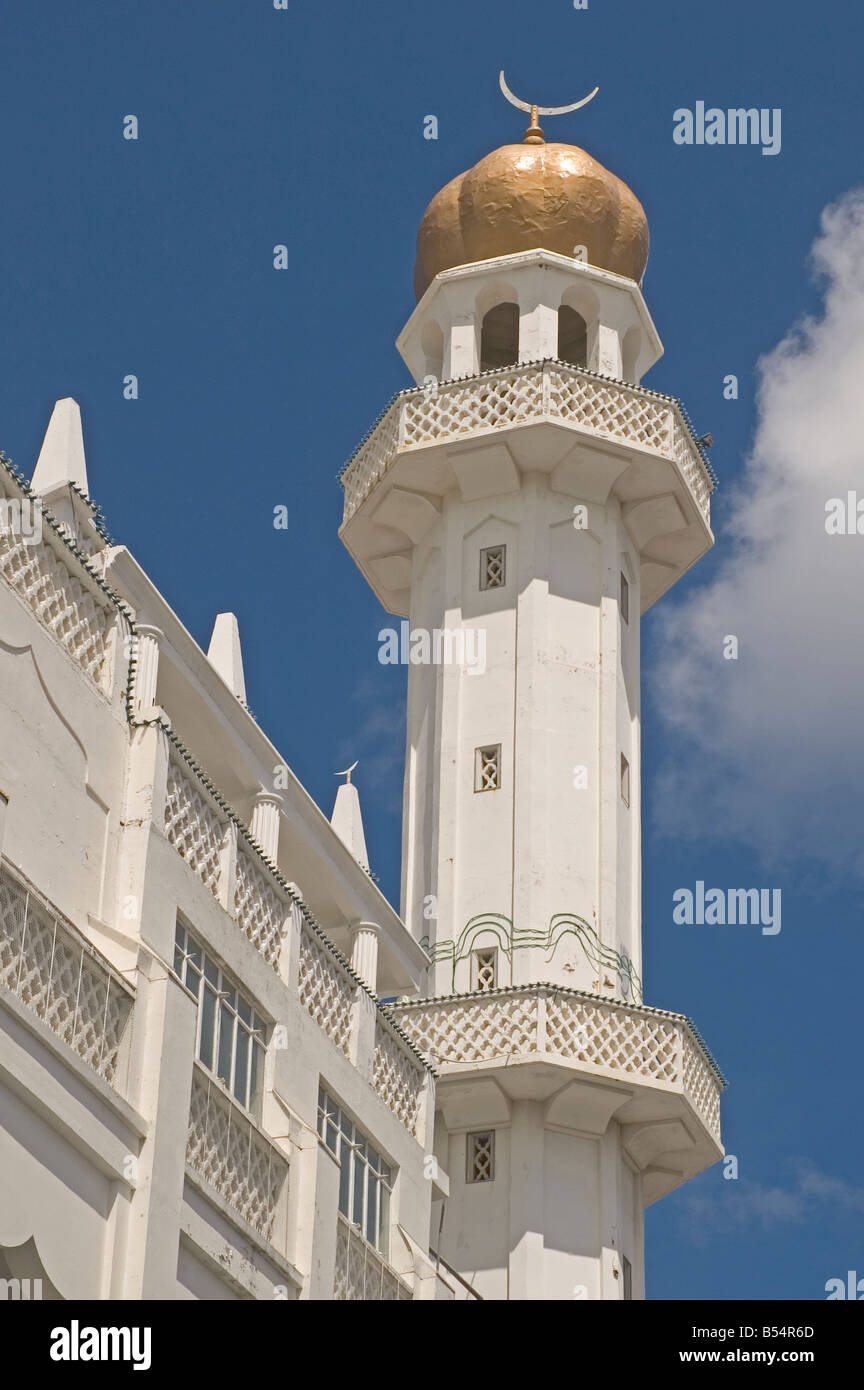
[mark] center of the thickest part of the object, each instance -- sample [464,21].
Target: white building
[200,1093]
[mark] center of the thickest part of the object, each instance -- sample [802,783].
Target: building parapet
[47,964]
[362,1273]
[231,1154]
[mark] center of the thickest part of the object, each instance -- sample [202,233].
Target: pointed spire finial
[347,821]
[225,654]
[61,458]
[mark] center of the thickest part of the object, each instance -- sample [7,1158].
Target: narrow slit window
[481,1157]
[484,968]
[487,768]
[625,781]
[493,567]
[625,598]
[628,1278]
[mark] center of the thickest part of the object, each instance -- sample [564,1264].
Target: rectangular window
[625,598]
[628,1278]
[625,781]
[481,1157]
[484,968]
[493,567]
[231,1037]
[487,768]
[365,1180]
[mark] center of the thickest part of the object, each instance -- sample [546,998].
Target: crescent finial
[534,135]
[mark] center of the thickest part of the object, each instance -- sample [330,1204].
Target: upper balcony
[591,434]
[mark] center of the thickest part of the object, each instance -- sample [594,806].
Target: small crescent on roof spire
[346,772]
[534,135]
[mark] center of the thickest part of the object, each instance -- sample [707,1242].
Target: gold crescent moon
[542,110]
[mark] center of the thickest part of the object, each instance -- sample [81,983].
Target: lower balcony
[589,1060]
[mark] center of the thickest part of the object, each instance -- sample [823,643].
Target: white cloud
[771,746]
[735,1205]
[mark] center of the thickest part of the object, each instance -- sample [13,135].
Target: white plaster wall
[560,691]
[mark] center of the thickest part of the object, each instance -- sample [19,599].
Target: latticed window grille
[365,1179]
[484,968]
[231,1036]
[493,567]
[481,1157]
[625,598]
[487,768]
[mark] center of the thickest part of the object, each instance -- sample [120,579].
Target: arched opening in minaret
[432,343]
[499,337]
[572,337]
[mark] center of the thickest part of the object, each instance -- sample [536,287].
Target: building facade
[201,1093]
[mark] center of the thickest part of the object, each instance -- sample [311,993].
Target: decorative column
[265,823]
[364,961]
[146,666]
[364,951]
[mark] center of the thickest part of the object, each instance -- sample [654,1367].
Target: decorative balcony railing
[512,396]
[326,989]
[60,592]
[230,1153]
[397,1075]
[193,827]
[613,1040]
[362,1273]
[47,964]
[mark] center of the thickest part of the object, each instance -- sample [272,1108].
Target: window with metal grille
[481,1157]
[231,1037]
[625,598]
[487,768]
[365,1180]
[625,781]
[628,1278]
[484,968]
[493,567]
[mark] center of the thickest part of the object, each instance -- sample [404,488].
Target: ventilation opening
[499,337]
[572,337]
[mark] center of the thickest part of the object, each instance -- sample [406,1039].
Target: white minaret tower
[520,509]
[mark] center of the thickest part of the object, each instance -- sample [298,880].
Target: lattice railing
[259,910]
[326,990]
[502,399]
[230,1152]
[397,1076]
[193,827]
[598,1034]
[362,1274]
[60,601]
[52,969]
[700,1084]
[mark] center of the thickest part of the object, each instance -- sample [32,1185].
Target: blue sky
[305,127]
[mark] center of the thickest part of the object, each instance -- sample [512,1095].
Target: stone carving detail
[259,910]
[326,990]
[230,1153]
[362,1274]
[56,973]
[397,1077]
[193,828]
[59,600]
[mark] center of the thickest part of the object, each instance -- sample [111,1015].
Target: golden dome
[528,197]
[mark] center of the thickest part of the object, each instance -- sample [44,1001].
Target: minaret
[521,508]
